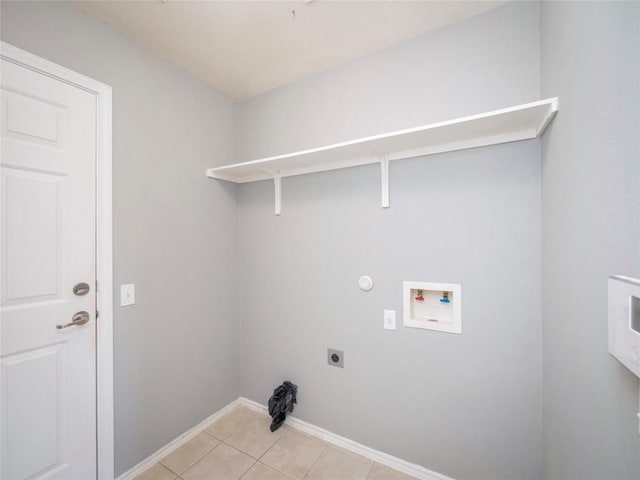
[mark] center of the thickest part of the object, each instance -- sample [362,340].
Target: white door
[47,242]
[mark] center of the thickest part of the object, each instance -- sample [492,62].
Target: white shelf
[499,126]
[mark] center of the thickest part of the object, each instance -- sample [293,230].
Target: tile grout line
[273,445]
[214,448]
[335,441]
[247,470]
[164,466]
[220,442]
[370,470]
[175,473]
[179,475]
[256,460]
[138,470]
[326,447]
[293,477]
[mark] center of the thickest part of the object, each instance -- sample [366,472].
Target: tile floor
[241,446]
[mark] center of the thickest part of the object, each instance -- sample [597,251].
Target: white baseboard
[380,457]
[176,443]
[355,447]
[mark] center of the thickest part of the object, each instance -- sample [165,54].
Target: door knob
[81,289]
[79,318]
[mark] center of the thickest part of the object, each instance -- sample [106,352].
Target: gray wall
[175,236]
[467,406]
[483,63]
[591,186]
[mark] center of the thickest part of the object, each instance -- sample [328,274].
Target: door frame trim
[104,244]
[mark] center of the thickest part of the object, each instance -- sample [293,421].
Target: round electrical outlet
[335,358]
[365,283]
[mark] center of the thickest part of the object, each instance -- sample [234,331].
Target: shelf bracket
[384,180]
[277,184]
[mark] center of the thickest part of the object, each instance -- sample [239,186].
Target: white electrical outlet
[389,319]
[127,294]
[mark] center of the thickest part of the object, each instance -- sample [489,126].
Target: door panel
[36,447]
[35,221]
[47,245]
[38,119]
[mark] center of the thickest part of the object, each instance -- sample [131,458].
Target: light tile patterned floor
[240,446]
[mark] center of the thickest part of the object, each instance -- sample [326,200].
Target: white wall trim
[104,248]
[176,443]
[396,463]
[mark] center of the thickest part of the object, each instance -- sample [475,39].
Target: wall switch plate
[335,358]
[389,319]
[127,294]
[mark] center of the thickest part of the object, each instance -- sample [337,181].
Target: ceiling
[244,48]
